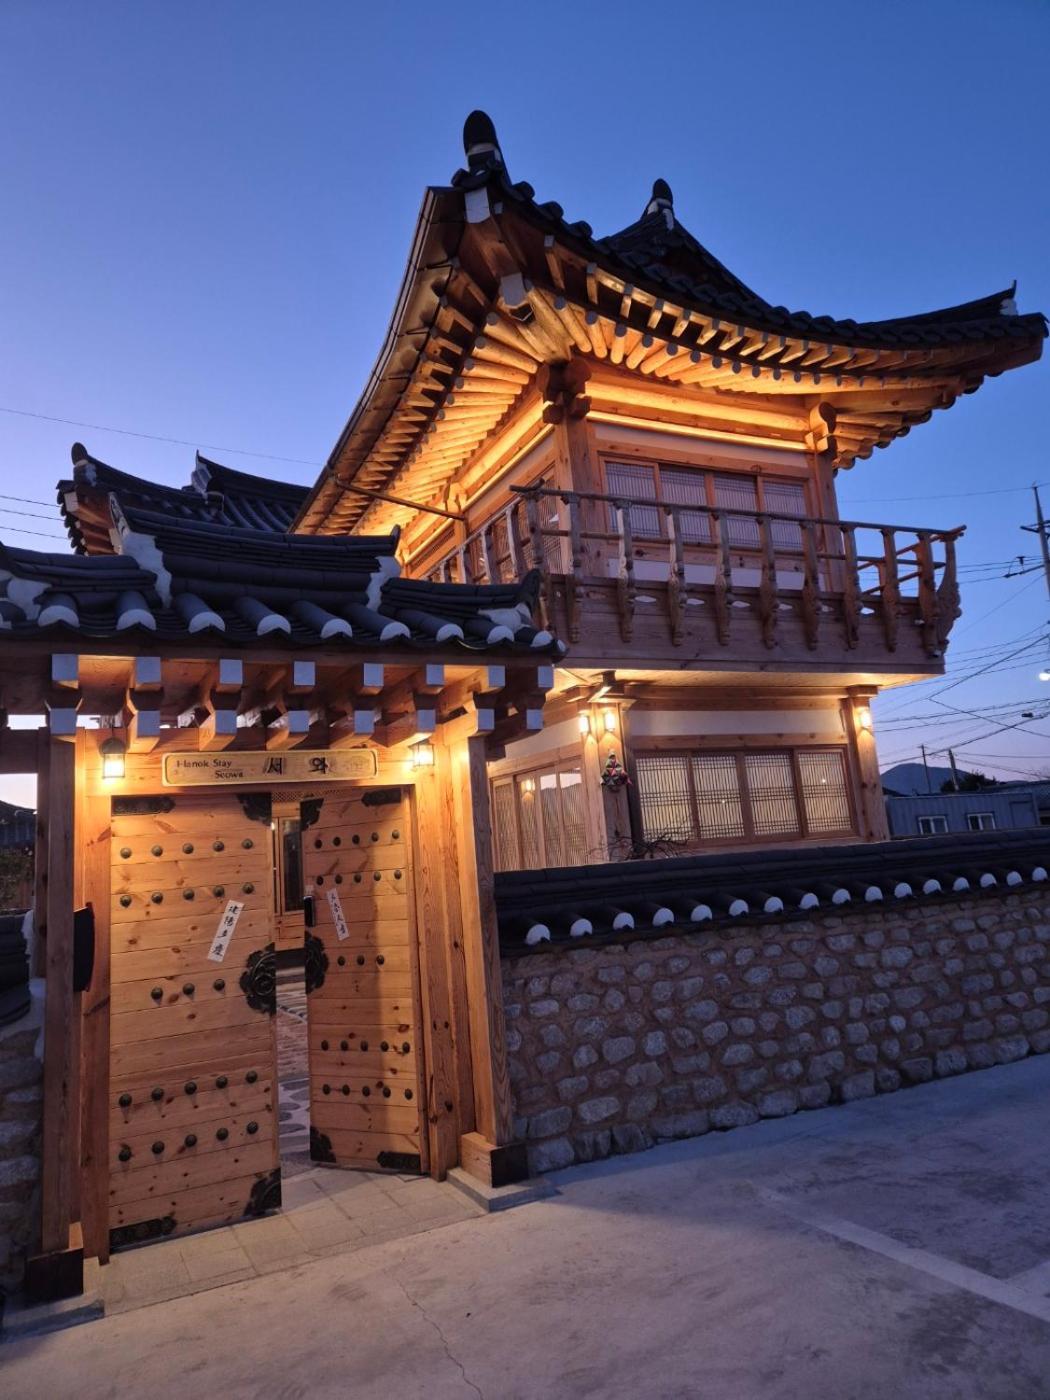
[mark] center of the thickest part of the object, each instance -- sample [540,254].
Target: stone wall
[20,1111]
[614,1047]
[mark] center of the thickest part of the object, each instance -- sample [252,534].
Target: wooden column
[93,890]
[622,830]
[489,1152]
[871,805]
[450,1088]
[43,759]
[598,837]
[577,451]
[58,1270]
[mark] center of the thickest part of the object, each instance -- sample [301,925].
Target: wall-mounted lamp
[609,720]
[423,754]
[112,751]
[585,722]
[864,718]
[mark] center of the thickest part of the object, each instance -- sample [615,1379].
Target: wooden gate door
[193,1064]
[361,982]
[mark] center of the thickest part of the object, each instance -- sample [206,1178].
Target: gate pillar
[489,1152]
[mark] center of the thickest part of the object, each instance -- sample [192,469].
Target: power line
[40,534]
[157,437]
[28,514]
[997,662]
[26,500]
[943,495]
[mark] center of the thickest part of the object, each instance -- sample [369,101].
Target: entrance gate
[193,1072]
[362,984]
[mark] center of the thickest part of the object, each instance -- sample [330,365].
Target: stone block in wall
[657,1038]
[21,1103]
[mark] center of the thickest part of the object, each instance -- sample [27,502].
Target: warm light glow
[585,723]
[528,784]
[864,719]
[423,754]
[609,720]
[112,752]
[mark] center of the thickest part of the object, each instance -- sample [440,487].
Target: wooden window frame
[556,761]
[750,837]
[760,475]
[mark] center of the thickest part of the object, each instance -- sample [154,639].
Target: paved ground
[895,1249]
[324,1212]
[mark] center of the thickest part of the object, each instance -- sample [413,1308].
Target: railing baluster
[515,561]
[948,602]
[575,577]
[810,586]
[890,589]
[625,589]
[532,516]
[485,541]
[850,586]
[723,577]
[927,593]
[539,557]
[463,564]
[768,593]
[676,600]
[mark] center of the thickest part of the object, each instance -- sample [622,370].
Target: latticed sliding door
[362,999]
[193,1063]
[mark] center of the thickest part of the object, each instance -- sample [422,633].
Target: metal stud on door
[365,1068]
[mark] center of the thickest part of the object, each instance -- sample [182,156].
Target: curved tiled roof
[216,495]
[179,574]
[498,284]
[577,905]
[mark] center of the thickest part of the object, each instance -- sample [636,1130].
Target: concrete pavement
[896,1247]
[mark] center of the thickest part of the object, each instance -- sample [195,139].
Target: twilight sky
[207,209]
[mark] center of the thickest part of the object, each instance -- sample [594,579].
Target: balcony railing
[829,576]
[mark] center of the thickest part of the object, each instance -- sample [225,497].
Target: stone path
[291,1025]
[294,1126]
[325,1211]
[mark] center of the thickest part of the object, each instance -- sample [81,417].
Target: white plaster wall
[565,732]
[825,722]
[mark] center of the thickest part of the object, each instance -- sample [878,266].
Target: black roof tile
[180,573]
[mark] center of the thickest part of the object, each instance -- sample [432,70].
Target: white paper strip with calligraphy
[223,934]
[338,917]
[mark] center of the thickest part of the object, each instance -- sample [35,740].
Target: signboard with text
[292,766]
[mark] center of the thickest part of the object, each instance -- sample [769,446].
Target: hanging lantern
[112,751]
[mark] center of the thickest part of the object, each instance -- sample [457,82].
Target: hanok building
[572,588]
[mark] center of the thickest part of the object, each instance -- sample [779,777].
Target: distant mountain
[909,779]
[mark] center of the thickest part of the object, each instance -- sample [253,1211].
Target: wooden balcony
[653,584]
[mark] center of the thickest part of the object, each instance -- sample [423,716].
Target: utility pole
[1040,529]
[955,771]
[926,766]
